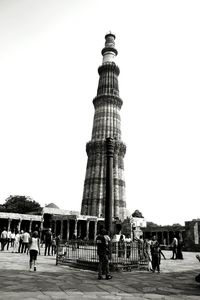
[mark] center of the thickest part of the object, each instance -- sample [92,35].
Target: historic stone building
[106,124]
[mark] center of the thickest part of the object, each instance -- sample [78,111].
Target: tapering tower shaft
[106,124]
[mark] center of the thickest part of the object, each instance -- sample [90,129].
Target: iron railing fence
[126,256]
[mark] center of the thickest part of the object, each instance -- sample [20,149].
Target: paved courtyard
[176,280]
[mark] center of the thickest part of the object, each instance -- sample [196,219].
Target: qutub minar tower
[106,127]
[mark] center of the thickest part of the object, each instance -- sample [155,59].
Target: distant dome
[51,205]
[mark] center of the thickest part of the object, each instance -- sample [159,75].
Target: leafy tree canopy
[151,224]
[20,204]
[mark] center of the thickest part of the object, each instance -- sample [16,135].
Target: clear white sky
[49,55]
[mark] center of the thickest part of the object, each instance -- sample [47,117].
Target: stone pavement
[176,280]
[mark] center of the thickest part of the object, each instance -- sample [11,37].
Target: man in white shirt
[174,247]
[25,241]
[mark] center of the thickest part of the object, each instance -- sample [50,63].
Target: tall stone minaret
[106,124]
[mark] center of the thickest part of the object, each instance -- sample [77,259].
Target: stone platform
[176,280]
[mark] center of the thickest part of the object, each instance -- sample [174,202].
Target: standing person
[16,242]
[156,257]
[179,254]
[128,245]
[8,239]
[103,252]
[174,245]
[121,246]
[3,238]
[20,241]
[141,247]
[12,238]
[34,249]
[147,252]
[53,245]
[48,240]
[25,241]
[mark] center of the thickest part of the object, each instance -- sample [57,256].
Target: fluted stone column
[87,229]
[41,228]
[75,228]
[9,223]
[68,228]
[19,225]
[95,230]
[167,237]
[109,185]
[61,229]
[106,124]
[55,222]
[30,225]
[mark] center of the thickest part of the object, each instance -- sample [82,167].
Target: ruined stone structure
[106,124]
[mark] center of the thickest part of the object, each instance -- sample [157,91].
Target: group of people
[25,242]
[16,240]
[148,250]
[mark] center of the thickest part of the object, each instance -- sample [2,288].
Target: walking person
[34,249]
[147,253]
[174,245]
[103,251]
[48,240]
[3,238]
[20,241]
[25,241]
[16,242]
[156,257]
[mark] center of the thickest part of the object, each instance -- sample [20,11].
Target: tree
[151,224]
[20,204]
[137,214]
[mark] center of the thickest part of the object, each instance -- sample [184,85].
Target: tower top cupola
[109,52]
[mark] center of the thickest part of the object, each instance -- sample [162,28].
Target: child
[34,247]
[156,257]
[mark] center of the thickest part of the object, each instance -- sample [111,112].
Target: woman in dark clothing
[156,257]
[179,254]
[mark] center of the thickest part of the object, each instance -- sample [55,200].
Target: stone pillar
[75,227]
[87,230]
[9,223]
[68,228]
[109,185]
[79,228]
[50,222]
[55,222]
[61,229]
[41,228]
[162,237]
[180,236]
[30,225]
[95,229]
[167,237]
[41,225]
[19,225]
